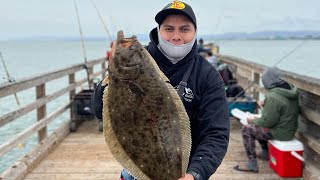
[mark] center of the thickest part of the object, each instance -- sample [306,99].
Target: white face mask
[174,52]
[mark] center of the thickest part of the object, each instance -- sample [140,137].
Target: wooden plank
[260,89]
[90,71]
[309,100]
[310,115]
[20,85]
[45,147]
[38,103]
[72,80]
[249,176]
[308,127]
[16,172]
[256,80]
[309,141]
[74,176]
[304,82]
[249,86]
[77,165]
[41,111]
[310,172]
[242,63]
[244,73]
[26,83]
[235,155]
[11,143]
[96,61]
[84,155]
[96,74]
[311,157]
[243,81]
[72,93]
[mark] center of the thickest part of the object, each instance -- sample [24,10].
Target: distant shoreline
[209,39]
[261,35]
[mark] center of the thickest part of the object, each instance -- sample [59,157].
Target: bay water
[30,58]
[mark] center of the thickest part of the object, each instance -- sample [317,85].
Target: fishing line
[82,42]
[102,21]
[218,22]
[8,77]
[277,63]
[288,54]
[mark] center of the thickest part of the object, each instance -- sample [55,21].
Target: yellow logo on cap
[177,5]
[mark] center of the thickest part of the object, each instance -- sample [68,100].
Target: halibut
[145,123]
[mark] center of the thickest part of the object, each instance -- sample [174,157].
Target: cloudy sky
[34,18]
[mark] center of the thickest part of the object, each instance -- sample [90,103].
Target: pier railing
[248,76]
[45,142]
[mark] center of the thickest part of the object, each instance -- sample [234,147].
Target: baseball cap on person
[176,7]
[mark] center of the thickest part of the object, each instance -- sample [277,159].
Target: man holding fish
[198,84]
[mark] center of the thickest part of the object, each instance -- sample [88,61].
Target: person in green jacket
[279,118]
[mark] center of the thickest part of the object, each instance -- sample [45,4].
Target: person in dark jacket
[279,119]
[173,46]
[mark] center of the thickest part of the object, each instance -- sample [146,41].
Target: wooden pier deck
[84,155]
[81,155]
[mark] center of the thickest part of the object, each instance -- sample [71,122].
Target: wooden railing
[45,142]
[248,76]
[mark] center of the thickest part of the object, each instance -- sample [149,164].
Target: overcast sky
[32,18]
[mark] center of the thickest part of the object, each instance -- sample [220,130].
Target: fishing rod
[277,62]
[288,54]
[9,78]
[82,43]
[101,19]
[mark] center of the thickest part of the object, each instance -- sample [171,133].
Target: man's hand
[187,177]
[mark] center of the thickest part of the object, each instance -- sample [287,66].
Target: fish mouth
[124,42]
[129,71]
[129,66]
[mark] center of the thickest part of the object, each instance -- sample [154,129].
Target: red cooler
[285,157]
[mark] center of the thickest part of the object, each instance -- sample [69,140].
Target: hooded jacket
[205,102]
[280,113]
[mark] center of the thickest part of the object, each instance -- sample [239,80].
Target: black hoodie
[205,101]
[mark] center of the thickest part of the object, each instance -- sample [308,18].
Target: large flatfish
[145,124]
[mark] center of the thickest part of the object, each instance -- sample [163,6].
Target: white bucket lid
[293,145]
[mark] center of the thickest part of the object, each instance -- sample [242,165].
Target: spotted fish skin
[146,126]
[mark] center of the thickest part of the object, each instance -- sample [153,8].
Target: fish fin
[114,145]
[184,119]
[184,129]
[105,81]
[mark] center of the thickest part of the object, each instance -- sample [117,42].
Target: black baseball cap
[176,7]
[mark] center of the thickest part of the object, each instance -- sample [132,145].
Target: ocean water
[30,58]
[302,60]
[27,58]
